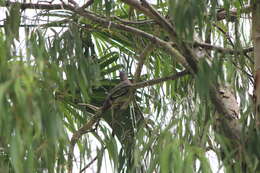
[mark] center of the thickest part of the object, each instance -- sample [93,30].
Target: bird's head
[123,76]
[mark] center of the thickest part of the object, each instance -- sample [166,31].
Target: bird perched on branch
[116,111]
[116,96]
[119,94]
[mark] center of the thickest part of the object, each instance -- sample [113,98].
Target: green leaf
[16,152]
[12,23]
[2,2]
[99,158]
[3,90]
[108,59]
[112,69]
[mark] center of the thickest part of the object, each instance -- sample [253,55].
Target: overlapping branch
[87,127]
[185,57]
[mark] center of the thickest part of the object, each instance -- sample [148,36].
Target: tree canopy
[130,86]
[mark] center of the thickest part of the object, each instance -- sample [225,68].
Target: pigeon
[119,93]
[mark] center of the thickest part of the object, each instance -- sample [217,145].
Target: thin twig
[160,80]
[138,6]
[221,49]
[189,57]
[89,164]
[87,4]
[231,42]
[77,135]
[73,2]
[106,22]
[226,34]
[129,22]
[141,59]
[36,5]
[160,19]
[87,127]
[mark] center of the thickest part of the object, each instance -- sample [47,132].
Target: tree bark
[256,42]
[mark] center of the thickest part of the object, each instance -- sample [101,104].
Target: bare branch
[160,80]
[226,34]
[108,23]
[88,165]
[87,4]
[129,22]
[87,127]
[138,6]
[37,6]
[160,19]
[189,57]
[73,2]
[221,49]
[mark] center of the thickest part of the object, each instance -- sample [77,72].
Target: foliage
[52,84]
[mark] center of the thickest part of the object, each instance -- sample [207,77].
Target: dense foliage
[189,107]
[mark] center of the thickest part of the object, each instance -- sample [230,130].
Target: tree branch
[89,164]
[222,14]
[77,135]
[226,34]
[138,6]
[37,6]
[89,124]
[108,23]
[130,22]
[87,4]
[189,56]
[159,80]
[221,49]
[141,59]
[160,19]
[73,2]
